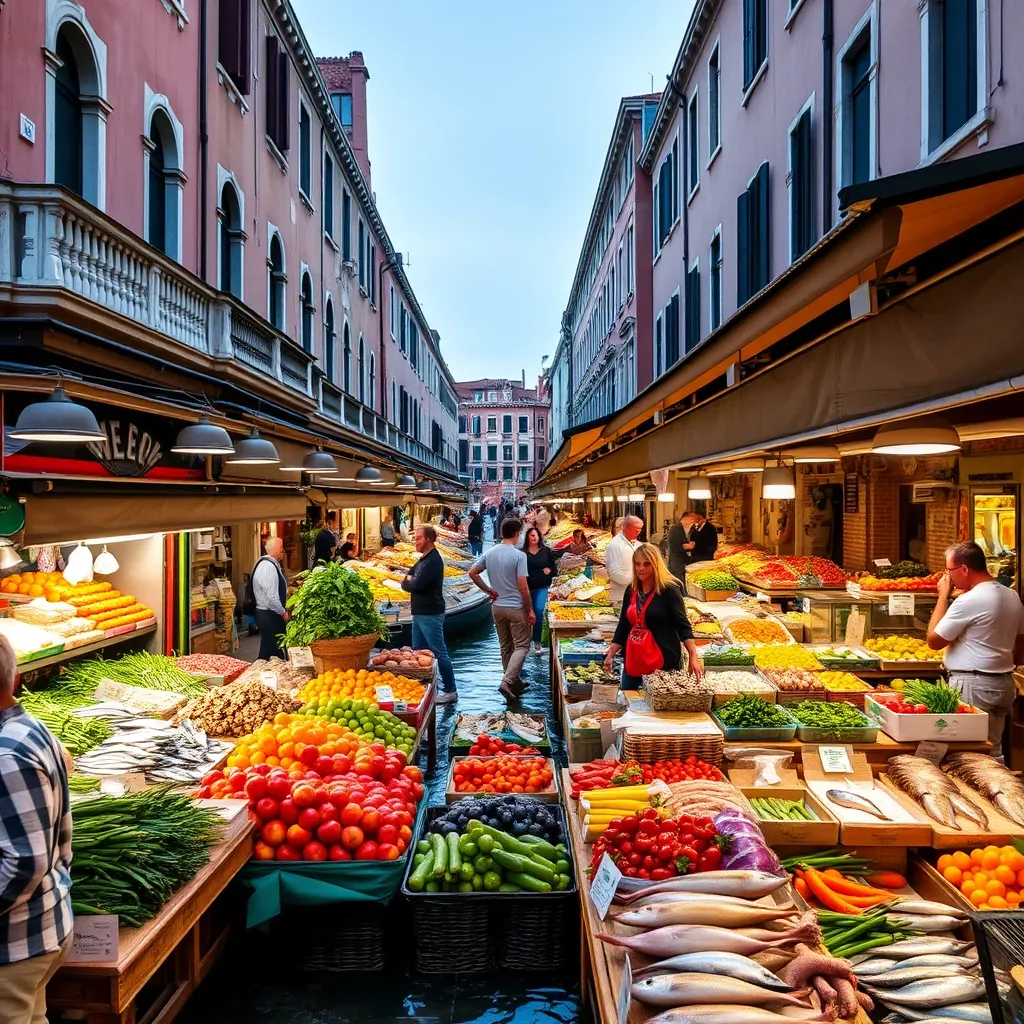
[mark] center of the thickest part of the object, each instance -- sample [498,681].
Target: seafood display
[856,802]
[938,796]
[992,780]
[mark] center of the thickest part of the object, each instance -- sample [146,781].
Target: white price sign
[835,759]
[603,885]
[95,939]
[932,751]
[882,563]
[268,677]
[763,597]
[625,990]
[604,693]
[806,605]
[901,604]
[385,695]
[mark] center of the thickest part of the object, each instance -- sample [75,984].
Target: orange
[976,857]
[995,888]
[990,859]
[950,873]
[967,887]
[1020,879]
[997,903]
[1014,860]
[944,862]
[978,897]
[980,877]
[1006,874]
[1012,897]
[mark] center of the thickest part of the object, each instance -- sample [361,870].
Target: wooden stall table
[182,941]
[428,731]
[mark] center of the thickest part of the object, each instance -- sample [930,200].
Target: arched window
[329,339]
[362,371]
[308,311]
[163,182]
[157,193]
[373,383]
[276,282]
[346,356]
[67,169]
[231,239]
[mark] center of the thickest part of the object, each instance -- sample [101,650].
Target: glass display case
[994,519]
[830,613]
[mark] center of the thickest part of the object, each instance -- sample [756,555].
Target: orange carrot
[887,880]
[801,887]
[848,887]
[867,901]
[834,901]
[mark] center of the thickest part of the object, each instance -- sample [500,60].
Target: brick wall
[940,530]
[855,532]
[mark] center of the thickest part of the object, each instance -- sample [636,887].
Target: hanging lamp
[698,487]
[203,438]
[254,450]
[57,419]
[935,437]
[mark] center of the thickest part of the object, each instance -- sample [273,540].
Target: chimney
[346,79]
[524,376]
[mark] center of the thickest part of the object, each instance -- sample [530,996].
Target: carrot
[867,901]
[887,880]
[850,888]
[802,888]
[818,885]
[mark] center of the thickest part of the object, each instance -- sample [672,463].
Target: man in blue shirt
[35,856]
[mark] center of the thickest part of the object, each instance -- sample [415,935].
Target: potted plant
[333,614]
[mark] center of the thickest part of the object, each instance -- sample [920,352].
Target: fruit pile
[490,746]
[892,647]
[572,614]
[827,572]
[786,656]
[843,682]
[758,631]
[290,740]
[903,570]
[403,659]
[360,685]
[675,770]
[992,877]
[714,579]
[365,720]
[909,583]
[794,679]
[901,707]
[774,573]
[646,846]
[502,774]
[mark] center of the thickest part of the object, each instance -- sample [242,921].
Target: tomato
[660,874]
[366,851]
[288,812]
[650,814]
[237,782]
[211,777]
[643,844]
[650,862]
[342,764]
[370,820]
[690,854]
[298,836]
[328,812]
[338,852]
[630,872]
[387,851]
[309,818]
[643,873]
[648,827]
[710,859]
[256,788]
[204,792]
[329,833]
[324,766]
[261,769]
[308,755]
[274,833]
[352,837]
[285,852]
[375,800]
[351,814]
[314,851]
[279,786]
[303,795]
[263,851]
[387,835]
[267,809]
[634,860]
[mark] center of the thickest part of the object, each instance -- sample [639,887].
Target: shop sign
[851,494]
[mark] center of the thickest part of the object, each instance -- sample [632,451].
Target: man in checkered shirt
[35,856]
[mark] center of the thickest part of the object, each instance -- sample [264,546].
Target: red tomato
[267,809]
[256,788]
[329,832]
[352,837]
[286,852]
[387,835]
[204,792]
[298,836]
[412,771]
[351,814]
[367,851]
[308,755]
[237,782]
[338,795]
[288,812]
[314,851]
[263,851]
[261,769]
[387,851]
[279,786]
[274,833]
[376,800]
[303,795]
[342,764]
[309,818]
[328,812]
[405,833]
[211,777]
[370,821]
[338,852]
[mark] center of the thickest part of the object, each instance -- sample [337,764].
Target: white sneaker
[537,649]
[447,697]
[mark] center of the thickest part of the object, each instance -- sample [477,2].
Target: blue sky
[488,126]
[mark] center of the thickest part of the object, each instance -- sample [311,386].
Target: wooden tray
[824,832]
[549,795]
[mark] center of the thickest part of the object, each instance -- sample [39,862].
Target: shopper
[512,606]
[579,545]
[326,542]
[425,582]
[983,633]
[456,522]
[702,540]
[387,530]
[618,556]
[541,567]
[35,856]
[475,532]
[543,520]
[652,623]
[270,589]
[678,553]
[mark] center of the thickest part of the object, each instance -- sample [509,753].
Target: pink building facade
[227,206]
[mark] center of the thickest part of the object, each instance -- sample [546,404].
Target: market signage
[128,449]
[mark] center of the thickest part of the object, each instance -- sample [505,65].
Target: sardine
[913,905]
[923,945]
[928,923]
[925,995]
[905,975]
[856,802]
[878,965]
[732,1014]
[689,938]
[751,885]
[730,965]
[992,780]
[976,1013]
[724,915]
[687,989]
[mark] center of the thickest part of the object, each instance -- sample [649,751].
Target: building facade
[212,195]
[503,436]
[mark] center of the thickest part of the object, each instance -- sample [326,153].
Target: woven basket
[647,748]
[345,652]
[662,700]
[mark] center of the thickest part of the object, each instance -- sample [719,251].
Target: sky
[488,126]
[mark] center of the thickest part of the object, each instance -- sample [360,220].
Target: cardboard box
[824,832]
[549,795]
[911,728]
[910,826]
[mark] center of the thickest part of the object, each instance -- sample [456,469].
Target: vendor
[983,633]
[678,538]
[579,544]
[349,549]
[702,539]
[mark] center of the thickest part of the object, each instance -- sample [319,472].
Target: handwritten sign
[385,695]
[95,939]
[835,759]
[932,751]
[882,563]
[604,693]
[300,657]
[602,887]
[901,604]
[268,677]
[625,991]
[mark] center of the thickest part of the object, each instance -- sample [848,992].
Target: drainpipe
[827,119]
[684,156]
[204,138]
[385,265]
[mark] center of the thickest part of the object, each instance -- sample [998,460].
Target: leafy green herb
[332,602]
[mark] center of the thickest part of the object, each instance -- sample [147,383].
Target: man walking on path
[475,532]
[35,856]
[511,604]
[983,631]
[618,557]
[425,582]
[270,589]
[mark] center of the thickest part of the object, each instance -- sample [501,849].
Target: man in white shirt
[618,557]
[270,589]
[983,633]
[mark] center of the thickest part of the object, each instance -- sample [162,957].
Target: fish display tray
[780,734]
[549,795]
[909,728]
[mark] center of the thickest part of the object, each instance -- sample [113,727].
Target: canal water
[257,982]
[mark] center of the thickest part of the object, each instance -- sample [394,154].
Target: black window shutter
[807,143]
[244,48]
[748,42]
[692,308]
[763,255]
[672,332]
[284,116]
[273,106]
[959,63]
[760,34]
[228,37]
[742,248]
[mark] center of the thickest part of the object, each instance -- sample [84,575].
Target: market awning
[57,518]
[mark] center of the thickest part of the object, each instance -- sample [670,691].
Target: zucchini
[527,882]
[440,851]
[454,857]
[507,842]
[523,865]
[418,878]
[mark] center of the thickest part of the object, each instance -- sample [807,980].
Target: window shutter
[742,248]
[763,254]
[273,107]
[242,79]
[807,169]
[228,39]
[284,111]
[748,42]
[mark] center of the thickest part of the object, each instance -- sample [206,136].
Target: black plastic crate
[999,936]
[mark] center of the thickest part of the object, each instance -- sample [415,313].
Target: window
[506,452]
[492,424]
[68,119]
[328,202]
[692,339]
[665,197]
[540,453]
[478,473]
[506,472]
[524,453]
[672,331]
[346,356]
[362,247]
[855,111]
[371,399]
[693,144]
[492,396]
[540,424]
[506,424]
[276,282]
[755,39]
[393,319]
[659,365]
[329,339]
[371,272]
[475,421]
[714,102]
[492,474]
[305,154]
[308,310]
[715,282]
[163,184]
[346,226]
[630,259]
[229,225]
[801,185]
[403,319]
[524,424]
[753,262]
[955,52]
[342,103]
[361,370]
[492,453]
[476,453]
[277,76]
[233,42]
[524,474]
[462,424]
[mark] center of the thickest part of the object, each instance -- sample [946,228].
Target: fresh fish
[927,995]
[704,899]
[724,915]
[923,945]
[976,1013]
[913,905]
[685,989]
[731,1014]
[844,798]
[689,938]
[992,780]
[929,922]
[926,785]
[730,965]
[966,807]
[749,884]
[878,965]
[905,975]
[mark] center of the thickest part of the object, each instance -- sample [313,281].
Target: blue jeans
[476,547]
[428,632]
[540,603]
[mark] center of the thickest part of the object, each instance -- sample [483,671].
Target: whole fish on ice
[687,989]
[751,885]
[723,915]
[928,995]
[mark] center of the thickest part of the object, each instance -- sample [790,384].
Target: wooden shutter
[763,254]
[692,308]
[742,248]
[273,106]
[284,108]
[672,332]
[243,78]
[228,31]
[748,42]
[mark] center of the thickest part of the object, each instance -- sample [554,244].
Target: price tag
[384,695]
[805,604]
[609,736]
[603,885]
[932,751]
[835,759]
[95,939]
[300,657]
[625,990]
[763,597]
[604,693]
[268,677]
[882,563]
[901,604]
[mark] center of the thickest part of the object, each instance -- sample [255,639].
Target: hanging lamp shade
[367,475]
[203,438]
[105,564]
[933,438]
[405,482]
[57,419]
[815,453]
[666,496]
[254,450]
[698,487]
[9,556]
[748,466]
[778,483]
[317,461]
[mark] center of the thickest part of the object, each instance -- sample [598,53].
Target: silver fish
[929,922]
[686,989]
[689,938]
[913,905]
[723,915]
[976,1013]
[844,798]
[992,780]
[926,785]
[732,1014]
[923,945]
[879,965]
[905,975]
[730,965]
[696,897]
[750,884]
[927,995]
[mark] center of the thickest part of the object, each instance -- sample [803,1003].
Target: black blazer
[665,618]
[705,539]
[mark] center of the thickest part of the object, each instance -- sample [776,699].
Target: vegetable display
[606,774]
[794,680]
[758,631]
[502,774]
[213,665]
[152,671]
[776,809]
[833,717]
[519,816]
[236,709]
[893,647]
[488,746]
[332,602]
[751,712]
[55,709]
[589,674]
[842,682]
[645,845]
[929,697]
[130,853]
[786,656]
[726,654]
[403,659]
[366,721]
[361,684]
[714,579]
[991,877]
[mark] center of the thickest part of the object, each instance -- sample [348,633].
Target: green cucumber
[523,865]
[527,882]
[421,872]
[467,847]
[454,857]
[440,850]
[431,887]
[467,871]
[507,842]
[508,887]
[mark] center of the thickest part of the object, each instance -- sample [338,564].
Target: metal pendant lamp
[203,438]
[698,488]
[367,475]
[319,462]
[405,482]
[254,450]
[778,483]
[57,419]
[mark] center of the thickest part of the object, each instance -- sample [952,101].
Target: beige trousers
[23,986]
[513,628]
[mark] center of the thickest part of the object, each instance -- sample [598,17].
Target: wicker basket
[345,652]
[647,748]
[660,700]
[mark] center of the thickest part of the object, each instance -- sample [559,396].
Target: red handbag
[643,655]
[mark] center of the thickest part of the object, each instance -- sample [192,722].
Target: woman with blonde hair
[653,626]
